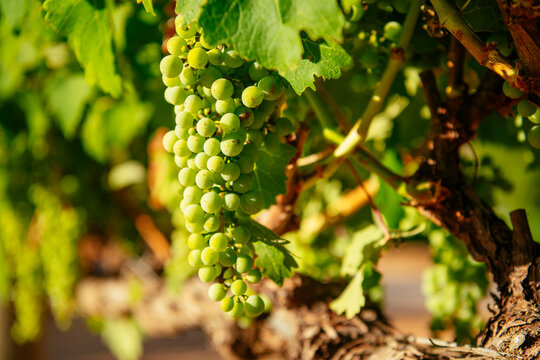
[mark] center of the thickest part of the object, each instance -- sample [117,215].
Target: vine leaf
[273,258]
[89,32]
[148,6]
[321,59]
[269,30]
[190,10]
[270,176]
[482,15]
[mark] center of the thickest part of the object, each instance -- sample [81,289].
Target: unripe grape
[187,176]
[204,179]
[245,115]
[195,143]
[197,58]
[175,95]
[216,57]
[170,82]
[227,257]
[238,309]
[254,305]
[255,137]
[194,213]
[216,292]
[241,234]
[238,287]
[252,96]
[258,120]
[254,276]
[227,304]
[208,274]
[215,164]
[171,66]
[230,172]
[233,59]
[535,118]
[194,227]
[185,32]
[194,258]
[511,92]
[525,108]
[211,147]
[193,104]
[251,202]
[205,43]
[211,202]
[270,87]
[231,202]
[232,144]
[229,123]
[188,77]
[242,185]
[211,223]
[534,136]
[176,45]
[210,75]
[246,164]
[267,107]
[181,133]
[206,127]
[222,89]
[180,148]
[184,119]
[200,160]
[209,256]
[392,30]
[169,139]
[225,106]
[196,242]
[180,161]
[244,263]
[219,242]
[256,71]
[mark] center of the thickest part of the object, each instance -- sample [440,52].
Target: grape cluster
[527,110]
[223,106]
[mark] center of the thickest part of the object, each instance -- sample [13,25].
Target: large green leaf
[269,30]
[482,15]
[14,11]
[320,60]
[270,176]
[190,10]
[89,31]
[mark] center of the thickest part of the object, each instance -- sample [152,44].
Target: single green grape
[195,143]
[170,82]
[219,242]
[510,91]
[217,292]
[225,106]
[254,305]
[241,234]
[270,87]
[227,257]
[196,242]
[392,30]
[208,274]
[230,172]
[209,256]
[187,176]
[246,164]
[184,119]
[169,139]
[211,202]
[194,213]
[245,115]
[175,95]
[238,287]
[229,123]
[201,159]
[204,179]
[194,258]
[267,107]
[205,43]
[232,144]
[181,133]
[251,202]
[193,104]
[185,32]
[259,119]
[192,194]
[244,263]
[525,108]
[211,147]
[227,304]
[176,45]
[233,59]
[256,71]
[181,149]
[211,223]
[197,58]
[171,66]
[252,96]
[254,137]
[535,118]
[222,89]
[206,127]
[196,227]
[209,76]
[254,276]
[231,202]
[242,184]
[238,309]
[216,57]
[215,164]
[188,77]
[534,136]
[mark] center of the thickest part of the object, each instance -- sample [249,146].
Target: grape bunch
[226,108]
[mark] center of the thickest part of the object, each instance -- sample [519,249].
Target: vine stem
[358,133]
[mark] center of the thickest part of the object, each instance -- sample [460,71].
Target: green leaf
[482,15]
[387,200]
[148,6]
[269,30]
[190,10]
[270,176]
[14,11]
[67,97]
[363,248]
[320,60]
[352,299]
[88,29]
[273,258]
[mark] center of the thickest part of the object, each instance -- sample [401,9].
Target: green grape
[191,163]
[245,115]
[171,66]
[180,161]
[232,144]
[170,82]
[252,96]
[209,256]
[535,118]
[227,257]
[176,45]
[267,108]
[254,137]
[231,202]
[225,106]
[284,126]
[534,136]
[254,305]
[204,42]
[254,276]
[193,104]
[219,242]
[180,148]
[216,57]
[227,304]
[195,143]
[196,227]
[181,133]
[211,223]
[215,164]
[211,202]
[229,273]
[230,172]
[175,95]
[525,108]
[238,287]
[209,76]
[244,263]
[511,92]
[392,30]
[217,292]
[233,59]
[204,179]
[211,147]
[169,139]
[208,274]
[184,119]
[237,310]
[258,121]
[187,176]
[206,127]
[196,242]
[188,77]
[270,87]
[271,141]
[256,71]
[246,164]
[185,32]
[242,185]
[251,202]
[194,258]
[241,234]
[197,58]
[201,160]
[192,194]
[222,89]
[194,213]
[229,123]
